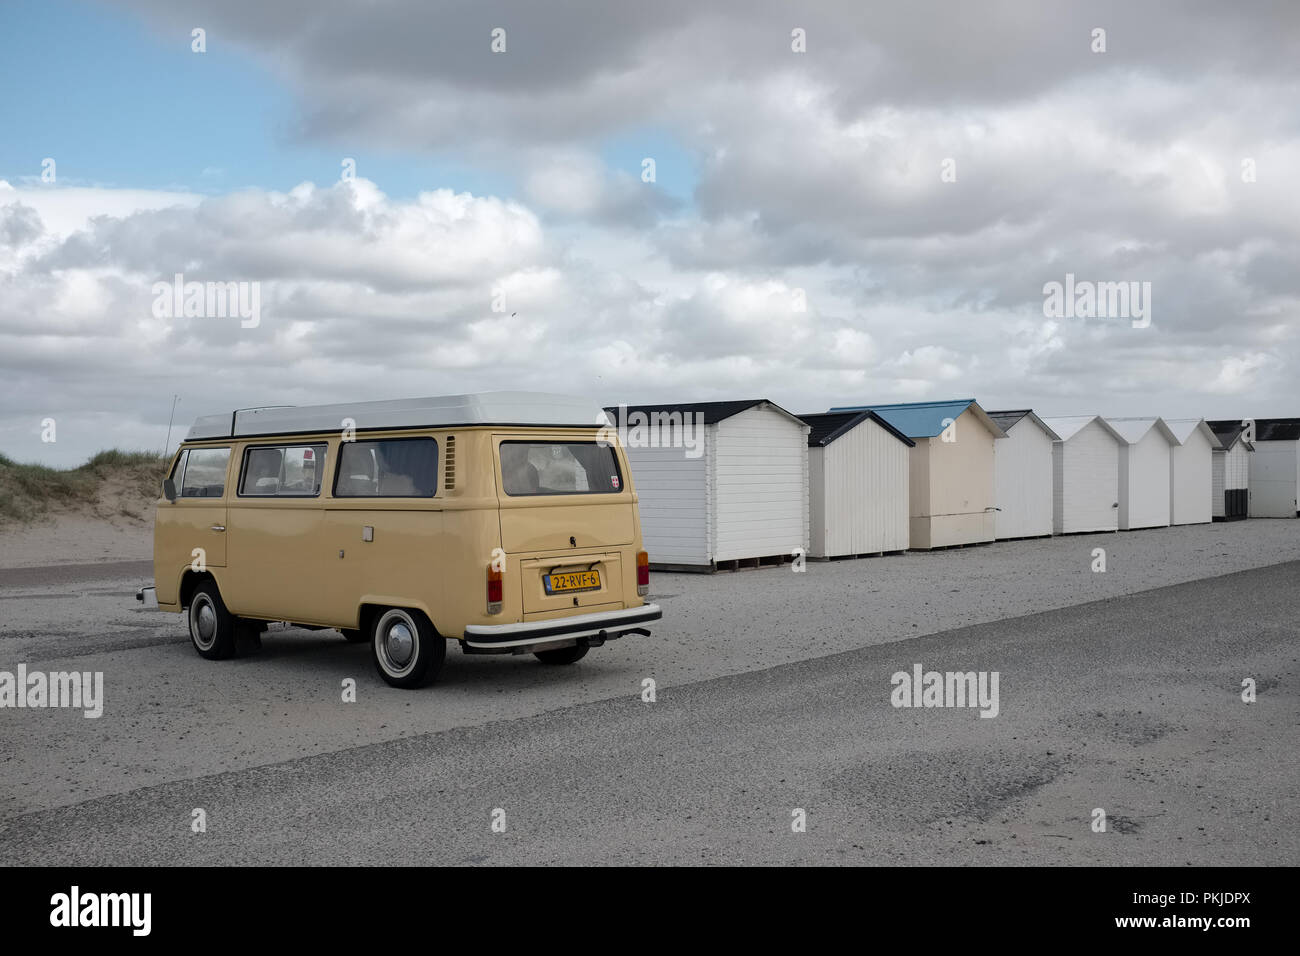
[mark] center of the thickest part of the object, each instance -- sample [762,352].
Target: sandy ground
[171,715]
[117,526]
[76,539]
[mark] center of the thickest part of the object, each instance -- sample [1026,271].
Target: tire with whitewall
[212,627]
[408,652]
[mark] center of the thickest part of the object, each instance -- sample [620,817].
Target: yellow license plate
[567,582]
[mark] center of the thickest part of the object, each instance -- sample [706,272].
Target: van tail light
[642,573]
[494,590]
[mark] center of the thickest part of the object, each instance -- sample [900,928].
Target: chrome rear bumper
[593,629]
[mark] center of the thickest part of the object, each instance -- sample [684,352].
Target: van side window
[282,471]
[393,468]
[559,468]
[203,472]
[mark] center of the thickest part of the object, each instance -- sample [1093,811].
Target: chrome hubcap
[399,643]
[205,622]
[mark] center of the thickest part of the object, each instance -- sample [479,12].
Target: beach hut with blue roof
[951,490]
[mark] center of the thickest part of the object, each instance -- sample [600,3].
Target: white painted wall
[672,496]
[760,485]
[1273,479]
[1191,481]
[1085,481]
[1230,471]
[1144,482]
[859,493]
[817,524]
[1022,464]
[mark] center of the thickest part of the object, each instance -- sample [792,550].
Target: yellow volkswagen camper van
[506,521]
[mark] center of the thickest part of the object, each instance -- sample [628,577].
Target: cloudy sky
[870,219]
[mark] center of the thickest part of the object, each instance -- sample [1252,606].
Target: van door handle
[218,527]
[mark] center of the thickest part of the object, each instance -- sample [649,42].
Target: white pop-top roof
[1067,426]
[1184,427]
[1133,430]
[484,408]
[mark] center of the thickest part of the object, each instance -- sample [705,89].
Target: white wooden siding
[1237,471]
[760,472]
[1086,481]
[1191,484]
[672,496]
[1144,482]
[858,493]
[1273,477]
[1231,472]
[818,528]
[1023,468]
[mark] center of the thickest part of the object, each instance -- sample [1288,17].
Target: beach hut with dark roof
[1230,471]
[1022,470]
[951,497]
[719,484]
[857,481]
[1275,468]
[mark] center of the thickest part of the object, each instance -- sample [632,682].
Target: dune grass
[28,491]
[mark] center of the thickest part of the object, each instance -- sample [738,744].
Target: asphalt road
[1131,705]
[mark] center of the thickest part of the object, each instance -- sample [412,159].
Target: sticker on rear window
[613,480]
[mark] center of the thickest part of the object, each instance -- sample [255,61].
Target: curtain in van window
[559,468]
[401,468]
[408,467]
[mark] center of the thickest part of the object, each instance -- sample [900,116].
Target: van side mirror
[169,489]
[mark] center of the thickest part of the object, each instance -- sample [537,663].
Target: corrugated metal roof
[1277,429]
[828,426]
[924,419]
[485,408]
[1227,430]
[713,412]
[1007,419]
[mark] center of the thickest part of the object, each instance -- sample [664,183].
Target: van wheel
[562,655]
[212,627]
[352,635]
[408,652]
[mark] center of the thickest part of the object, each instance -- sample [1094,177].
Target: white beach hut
[1085,475]
[719,484]
[1191,471]
[857,479]
[1143,472]
[1022,465]
[1230,475]
[1275,468]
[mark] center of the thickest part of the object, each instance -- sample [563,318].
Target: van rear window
[559,468]
[396,468]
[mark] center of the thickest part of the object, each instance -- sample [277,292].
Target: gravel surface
[170,715]
[1131,706]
